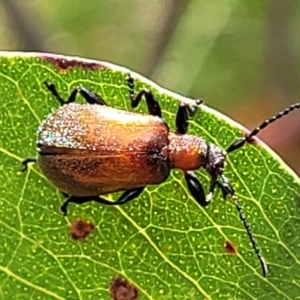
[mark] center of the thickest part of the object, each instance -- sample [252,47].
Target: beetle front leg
[196,189]
[127,196]
[152,104]
[182,117]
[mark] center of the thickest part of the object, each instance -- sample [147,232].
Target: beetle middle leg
[127,196]
[153,106]
[91,97]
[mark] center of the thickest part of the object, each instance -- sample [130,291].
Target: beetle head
[215,160]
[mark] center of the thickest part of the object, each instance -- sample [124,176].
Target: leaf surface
[163,243]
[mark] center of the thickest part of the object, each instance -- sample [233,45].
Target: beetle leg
[26,161]
[182,116]
[91,97]
[74,199]
[127,196]
[182,119]
[52,88]
[196,189]
[152,104]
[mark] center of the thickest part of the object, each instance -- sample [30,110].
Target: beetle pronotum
[88,150]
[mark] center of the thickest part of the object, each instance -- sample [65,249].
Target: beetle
[89,150]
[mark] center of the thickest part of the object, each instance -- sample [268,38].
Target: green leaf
[163,243]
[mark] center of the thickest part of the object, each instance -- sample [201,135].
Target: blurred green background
[241,57]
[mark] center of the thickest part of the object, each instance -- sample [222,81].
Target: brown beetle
[87,150]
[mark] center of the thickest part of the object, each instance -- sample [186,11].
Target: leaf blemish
[121,289]
[64,64]
[81,229]
[229,247]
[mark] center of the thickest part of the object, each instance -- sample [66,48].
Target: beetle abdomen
[88,150]
[92,175]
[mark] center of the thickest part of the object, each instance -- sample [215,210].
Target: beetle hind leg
[52,88]
[89,96]
[127,196]
[26,161]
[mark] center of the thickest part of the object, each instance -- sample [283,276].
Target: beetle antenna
[250,235]
[228,190]
[241,142]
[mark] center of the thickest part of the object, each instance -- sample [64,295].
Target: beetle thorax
[215,160]
[186,152]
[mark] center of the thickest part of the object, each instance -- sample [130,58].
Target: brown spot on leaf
[64,63]
[80,229]
[121,289]
[229,247]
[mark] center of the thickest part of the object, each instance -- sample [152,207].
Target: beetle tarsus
[153,106]
[26,161]
[209,197]
[192,109]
